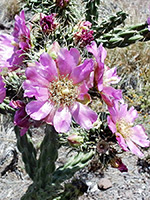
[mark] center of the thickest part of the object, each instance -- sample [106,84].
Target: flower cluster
[47,23]
[57,86]
[13,47]
[83,34]
[120,120]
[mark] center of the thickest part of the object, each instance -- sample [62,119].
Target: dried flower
[60,88]
[120,123]
[117,163]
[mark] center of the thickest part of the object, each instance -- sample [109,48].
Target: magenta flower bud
[84,35]
[62,3]
[47,23]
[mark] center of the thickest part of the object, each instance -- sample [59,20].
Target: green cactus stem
[91,12]
[47,158]
[126,36]
[108,25]
[25,146]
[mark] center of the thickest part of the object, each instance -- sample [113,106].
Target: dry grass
[8,9]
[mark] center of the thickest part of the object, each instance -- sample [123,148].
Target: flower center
[62,92]
[124,128]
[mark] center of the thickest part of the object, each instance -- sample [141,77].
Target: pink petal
[82,72]
[38,109]
[65,62]
[50,117]
[133,114]
[76,55]
[36,75]
[134,149]
[121,141]
[33,90]
[83,115]
[50,67]
[62,120]
[109,94]
[111,125]
[111,75]
[83,90]
[92,48]
[139,136]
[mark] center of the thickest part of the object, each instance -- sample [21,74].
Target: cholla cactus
[57,87]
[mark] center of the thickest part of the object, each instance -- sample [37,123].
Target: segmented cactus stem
[25,146]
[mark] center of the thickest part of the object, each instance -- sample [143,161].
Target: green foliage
[46,179]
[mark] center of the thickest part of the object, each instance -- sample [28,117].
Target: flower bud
[75,140]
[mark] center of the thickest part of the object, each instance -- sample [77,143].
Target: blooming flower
[2,90]
[120,123]
[13,46]
[47,23]
[60,88]
[21,32]
[104,76]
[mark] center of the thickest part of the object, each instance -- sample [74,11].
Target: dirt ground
[132,185]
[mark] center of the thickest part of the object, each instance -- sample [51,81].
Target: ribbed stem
[122,37]
[25,146]
[47,158]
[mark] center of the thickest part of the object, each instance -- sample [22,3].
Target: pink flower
[21,32]
[2,90]
[120,123]
[13,47]
[59,88]
[47,23]
[104,76]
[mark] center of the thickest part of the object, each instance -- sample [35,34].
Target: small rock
[104,184]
